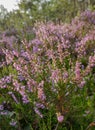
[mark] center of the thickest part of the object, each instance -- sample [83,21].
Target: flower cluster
[45,68]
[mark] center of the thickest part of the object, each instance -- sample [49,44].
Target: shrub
[51,79]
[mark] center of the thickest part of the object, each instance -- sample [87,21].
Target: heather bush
[49,82]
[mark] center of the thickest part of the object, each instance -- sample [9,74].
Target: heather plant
[49,83]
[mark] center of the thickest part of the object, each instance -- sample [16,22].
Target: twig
[57,126]
[90,125]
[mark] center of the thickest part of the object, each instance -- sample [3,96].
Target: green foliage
[38,10]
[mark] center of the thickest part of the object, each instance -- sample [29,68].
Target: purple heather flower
[8,79]
[65,75]
[41,94]
[13,96]
[25,99]
[81,85]
[21,78]
[38,112]
[4,113]
[55,75]
[15,53]
[36,42]
[60,117]
[78,70]
[13,123]
[82,66]
[40,105]
[1,107]
[35,49]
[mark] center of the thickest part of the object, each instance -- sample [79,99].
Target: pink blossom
[60,117]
